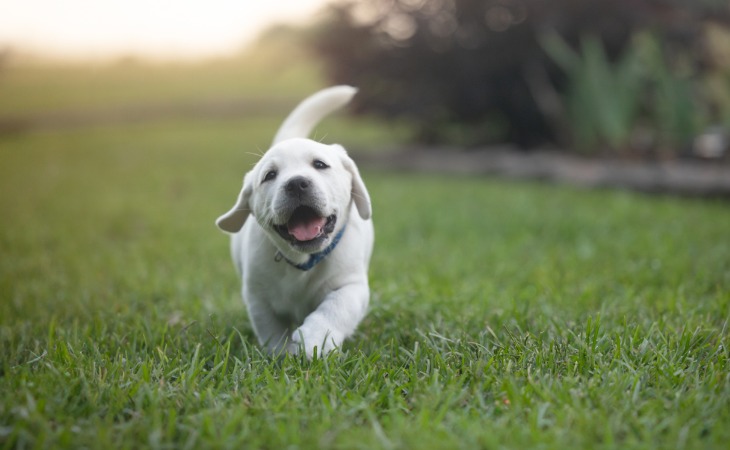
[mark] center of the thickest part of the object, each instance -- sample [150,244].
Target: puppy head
[300,192]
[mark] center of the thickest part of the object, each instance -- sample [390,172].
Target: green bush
[602,100]
[478,72]
[608,105]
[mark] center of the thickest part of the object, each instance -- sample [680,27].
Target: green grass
[503,315]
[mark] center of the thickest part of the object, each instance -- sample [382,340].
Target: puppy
[302,236]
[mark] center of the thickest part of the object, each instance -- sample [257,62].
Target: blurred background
[632,80]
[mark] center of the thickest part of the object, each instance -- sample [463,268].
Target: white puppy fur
[300,246]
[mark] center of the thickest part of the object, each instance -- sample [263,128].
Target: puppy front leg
[334,320]
[272,331]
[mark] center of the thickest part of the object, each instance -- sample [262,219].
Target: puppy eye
[270,175]
[317,164]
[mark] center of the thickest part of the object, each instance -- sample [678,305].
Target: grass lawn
[503,315]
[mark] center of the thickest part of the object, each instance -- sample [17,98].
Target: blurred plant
[673,103]
[716,81]
[602,99]
[607,105]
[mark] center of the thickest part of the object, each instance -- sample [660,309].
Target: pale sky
[167,28]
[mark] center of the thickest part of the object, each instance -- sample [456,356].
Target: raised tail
[302,120]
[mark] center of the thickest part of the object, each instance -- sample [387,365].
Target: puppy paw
[306,339]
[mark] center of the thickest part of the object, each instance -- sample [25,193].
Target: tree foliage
[475,71]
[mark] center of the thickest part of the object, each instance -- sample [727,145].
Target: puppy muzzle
[306,226]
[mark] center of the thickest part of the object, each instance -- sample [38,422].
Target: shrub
[635,104]
[475,71]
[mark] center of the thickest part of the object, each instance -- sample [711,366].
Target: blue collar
[314,258]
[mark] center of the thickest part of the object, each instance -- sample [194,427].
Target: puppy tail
[302,120]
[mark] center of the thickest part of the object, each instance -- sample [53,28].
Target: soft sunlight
[150,28]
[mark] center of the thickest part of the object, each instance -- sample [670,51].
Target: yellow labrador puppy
[303,236]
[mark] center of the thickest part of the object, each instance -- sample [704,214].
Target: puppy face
[300,193]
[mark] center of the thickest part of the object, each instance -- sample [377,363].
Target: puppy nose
[297,185]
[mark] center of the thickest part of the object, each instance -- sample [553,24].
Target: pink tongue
[306,231]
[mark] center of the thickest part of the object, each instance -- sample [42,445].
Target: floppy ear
[359,193]
[233,220]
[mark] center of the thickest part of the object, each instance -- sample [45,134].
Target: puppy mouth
[306,227]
